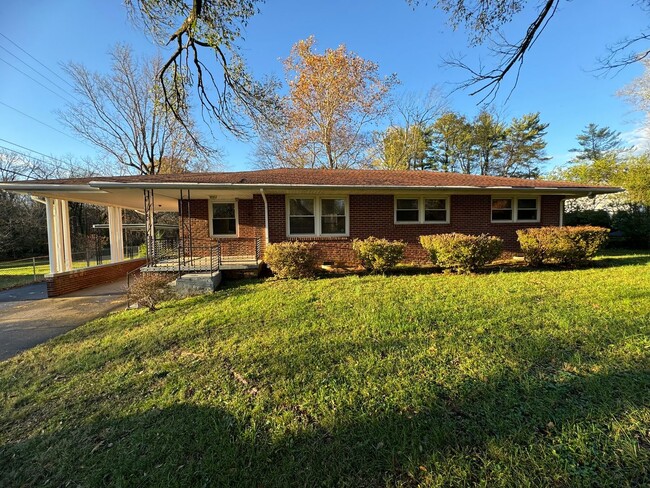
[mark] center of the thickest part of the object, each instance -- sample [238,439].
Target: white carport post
[58,235]
[51,244]
[115,234]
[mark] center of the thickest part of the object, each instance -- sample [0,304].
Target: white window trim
[515,208]
[210,218]
[318,214]
[421,210]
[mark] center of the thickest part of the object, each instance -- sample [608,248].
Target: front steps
[197,283]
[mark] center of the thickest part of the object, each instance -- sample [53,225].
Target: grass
[522,378]
[23,271]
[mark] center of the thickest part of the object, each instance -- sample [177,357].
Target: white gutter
[266,214]
[48,187]
[276,186]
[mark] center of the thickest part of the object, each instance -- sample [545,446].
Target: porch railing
[173,255]
[239,250]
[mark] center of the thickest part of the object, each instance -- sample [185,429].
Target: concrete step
[197,283]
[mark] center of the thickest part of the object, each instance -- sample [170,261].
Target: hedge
[460,252]
[292,259]
[378,255]
[564,245]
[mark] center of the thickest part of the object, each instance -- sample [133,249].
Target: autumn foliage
[332,98]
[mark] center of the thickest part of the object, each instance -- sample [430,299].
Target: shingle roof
[326,177]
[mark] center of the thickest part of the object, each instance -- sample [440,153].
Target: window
[527,209]
[421,210]
[302,219]
[515,209]
[502,209]
[435,210]
[332,216]
[224,219]
[407,210]
[326,216]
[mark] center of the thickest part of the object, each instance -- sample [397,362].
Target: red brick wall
[373,215]
[250,225]
[78,279]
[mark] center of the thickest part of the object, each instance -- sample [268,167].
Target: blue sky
[556,79]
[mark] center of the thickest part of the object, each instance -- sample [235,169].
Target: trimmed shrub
[378,255]
[149,290]
[599,218]
[292,259]
[460,252]
[565,245]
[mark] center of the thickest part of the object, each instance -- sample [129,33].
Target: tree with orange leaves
[333,97]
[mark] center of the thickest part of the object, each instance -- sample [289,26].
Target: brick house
[235,214]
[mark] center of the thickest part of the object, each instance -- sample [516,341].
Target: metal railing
[23,271]
[241,249]
[174,256]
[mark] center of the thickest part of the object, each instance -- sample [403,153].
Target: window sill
[422,223]
[318,238]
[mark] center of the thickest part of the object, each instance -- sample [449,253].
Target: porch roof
[126,191]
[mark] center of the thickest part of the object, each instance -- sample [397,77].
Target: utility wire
[41,122]
[33,150]
[55,74]
[7,170]
[49,79]
[35,80]
[22,154]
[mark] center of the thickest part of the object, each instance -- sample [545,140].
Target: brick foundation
[67,282]
[372,215]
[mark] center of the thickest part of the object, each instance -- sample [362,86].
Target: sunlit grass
[513,378]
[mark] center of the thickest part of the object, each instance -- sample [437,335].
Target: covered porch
[184,246]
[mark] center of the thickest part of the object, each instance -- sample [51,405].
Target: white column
[58,235]
[65,232]
[115,234]
[51,232]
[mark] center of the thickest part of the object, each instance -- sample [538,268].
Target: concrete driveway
[28,317]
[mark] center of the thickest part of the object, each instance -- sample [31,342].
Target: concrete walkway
[28,317]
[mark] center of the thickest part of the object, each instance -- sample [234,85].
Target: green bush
[599,218]
[564,245]
[633,226]
[460,252]
[378,255]
[291,259]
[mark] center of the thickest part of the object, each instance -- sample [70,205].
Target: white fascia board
[365,188]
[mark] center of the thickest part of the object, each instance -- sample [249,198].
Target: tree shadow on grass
[542,426]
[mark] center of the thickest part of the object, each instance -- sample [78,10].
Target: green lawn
[502,379]
[22,273]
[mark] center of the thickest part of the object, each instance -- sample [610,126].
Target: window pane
[332,225]
[435,215]
[407,204]
[528,203]
[301,225]
[223,210]
[502,214]
[333,206]
[435,204]
[301,206]
[525,214]
[407,216]
[501,203]
[224,226]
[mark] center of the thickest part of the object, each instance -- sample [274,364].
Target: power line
[55,74]
[22,154]
[41,122]
[32,150]
[7,170]
[35,80]
[49,80]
